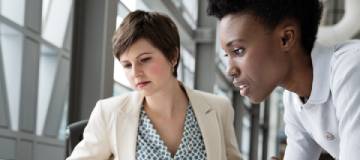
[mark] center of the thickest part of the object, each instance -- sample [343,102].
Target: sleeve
[95,144]
[345,87]
[300,145]
[232,149]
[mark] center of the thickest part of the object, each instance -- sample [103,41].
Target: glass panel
[333,11]
[177,3]
[191,7]
[189,60]
[141,5]
[119,74]
[180,69]
[130,4]
[190,12]
[12,49]
[189,67]
[55,20]
[188,78]
[122,11]
[245,137]
[223,92]
[64,121]
[120,89]
[14,10]
[260,144]
[47,71]
[218,91]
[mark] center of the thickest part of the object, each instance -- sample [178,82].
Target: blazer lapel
[209,125]
[127,127]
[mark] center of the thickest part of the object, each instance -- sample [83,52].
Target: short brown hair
[155,27]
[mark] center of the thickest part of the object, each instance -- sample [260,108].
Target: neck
[300,76]
[167,102]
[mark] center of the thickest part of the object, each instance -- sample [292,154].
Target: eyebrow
[235,40]
[141,54]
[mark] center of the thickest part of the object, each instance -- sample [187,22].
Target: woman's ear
[288,34]
[287,37]
[174,61]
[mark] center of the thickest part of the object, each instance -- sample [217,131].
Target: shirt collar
[320,56]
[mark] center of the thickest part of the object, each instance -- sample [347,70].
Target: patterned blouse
[150,146]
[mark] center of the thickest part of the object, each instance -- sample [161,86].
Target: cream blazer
[112,129]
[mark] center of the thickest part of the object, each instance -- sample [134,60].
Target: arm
[232,150]
[300,144]
[345,86]
[95,144]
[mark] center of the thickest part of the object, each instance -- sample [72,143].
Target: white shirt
[330,119]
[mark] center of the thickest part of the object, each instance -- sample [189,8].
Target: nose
[232,70]
[136,70]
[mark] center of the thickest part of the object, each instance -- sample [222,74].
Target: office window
[189,10]
[47,72]
[223,92]
[119,74]
[245,138]
[13,10]
[120,80]
[180,70]
[132,5]
[11,43]
[188,67]
[55,20]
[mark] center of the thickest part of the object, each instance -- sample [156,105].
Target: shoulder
[290,107]
[346,47]
[345,61]
[116,103]
[212,99]
[220,104]
[346,53]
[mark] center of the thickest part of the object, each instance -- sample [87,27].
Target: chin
[147,91]
[256,100]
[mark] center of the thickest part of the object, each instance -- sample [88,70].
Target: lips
[142,84]
[244,87]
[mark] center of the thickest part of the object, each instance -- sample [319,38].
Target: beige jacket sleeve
[95,144]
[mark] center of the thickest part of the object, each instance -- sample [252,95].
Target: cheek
[157,69]
[258,67]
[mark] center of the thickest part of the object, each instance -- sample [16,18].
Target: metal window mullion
[35,36]
[91,58]
[29,85]
[4,108]
[30,67]
[57,99]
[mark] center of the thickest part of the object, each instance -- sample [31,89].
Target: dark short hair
[271,12]
[155,27]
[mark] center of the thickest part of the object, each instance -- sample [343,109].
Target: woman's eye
[238,51]
[145,60]
[127,66]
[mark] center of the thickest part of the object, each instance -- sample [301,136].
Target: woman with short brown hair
[161,119]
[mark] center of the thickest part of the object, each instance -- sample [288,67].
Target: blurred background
[56,62]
